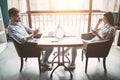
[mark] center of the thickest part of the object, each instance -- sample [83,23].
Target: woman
[108,30]
[102,33]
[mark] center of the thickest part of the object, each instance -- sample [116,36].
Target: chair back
[27,49]
[99,49]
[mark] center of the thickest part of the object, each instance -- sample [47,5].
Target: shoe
[46,64]
[70,67]
[46,67]
[43,69]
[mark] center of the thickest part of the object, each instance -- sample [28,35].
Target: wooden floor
[10,64]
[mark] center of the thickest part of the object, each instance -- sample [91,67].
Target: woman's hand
[100,20]
[94,31]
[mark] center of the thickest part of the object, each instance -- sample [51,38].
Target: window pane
[59,4]
[39,5]
[23,6]
[19,4]
[97,4]
[70,4]
[106,5]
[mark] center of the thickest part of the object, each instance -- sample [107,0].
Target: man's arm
[95,31]
[15,35]
[31,32]
[34,33]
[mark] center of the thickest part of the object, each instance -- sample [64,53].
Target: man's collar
[14,23]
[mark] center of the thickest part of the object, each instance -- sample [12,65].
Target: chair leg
[82,55]
[54,59]
[67,58]
[104,64]
[98,59]
[86,65]
[21,65]
[55,53]
[26,59]
[39,62]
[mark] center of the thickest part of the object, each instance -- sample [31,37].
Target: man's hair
[13,11]
[109,17]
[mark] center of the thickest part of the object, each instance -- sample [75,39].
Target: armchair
[99,49]
[28,50]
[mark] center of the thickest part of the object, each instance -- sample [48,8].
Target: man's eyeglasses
[17,15]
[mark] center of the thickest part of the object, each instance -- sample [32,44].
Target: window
[59,4]
[79,22]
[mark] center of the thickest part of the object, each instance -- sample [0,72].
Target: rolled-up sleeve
[28,29]
[112,31]
[16,35]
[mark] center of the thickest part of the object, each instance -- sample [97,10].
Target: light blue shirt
[18,32]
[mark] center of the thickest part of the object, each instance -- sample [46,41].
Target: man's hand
[35,32]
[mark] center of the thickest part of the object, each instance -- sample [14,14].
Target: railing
[73,22]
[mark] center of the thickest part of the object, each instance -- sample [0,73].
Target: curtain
[4,9]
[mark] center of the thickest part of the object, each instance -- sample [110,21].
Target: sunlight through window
[70,4]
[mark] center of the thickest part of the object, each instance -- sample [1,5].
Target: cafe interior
[62,24]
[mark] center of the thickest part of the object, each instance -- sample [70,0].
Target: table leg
[64,64]
[58,63]
[61,63]
[53,61]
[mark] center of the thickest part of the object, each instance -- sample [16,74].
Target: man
[24,34]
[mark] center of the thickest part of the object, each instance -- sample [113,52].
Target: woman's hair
[109,17]
[13,11]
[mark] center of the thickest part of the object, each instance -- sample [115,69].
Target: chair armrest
[29,44]
[101,47]
[98,49]
[97,42]
[87,36]
[27,49]
[93,45]
[30,49]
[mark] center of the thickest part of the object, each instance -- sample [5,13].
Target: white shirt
[104,31]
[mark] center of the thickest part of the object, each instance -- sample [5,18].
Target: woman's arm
[96,27]
[108,36]
[96,33]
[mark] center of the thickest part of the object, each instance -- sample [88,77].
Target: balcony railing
[73,22]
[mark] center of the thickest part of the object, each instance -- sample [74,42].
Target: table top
[68,41]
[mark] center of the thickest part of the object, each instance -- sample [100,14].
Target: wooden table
[68,41]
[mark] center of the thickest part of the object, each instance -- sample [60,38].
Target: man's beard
[19,20]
